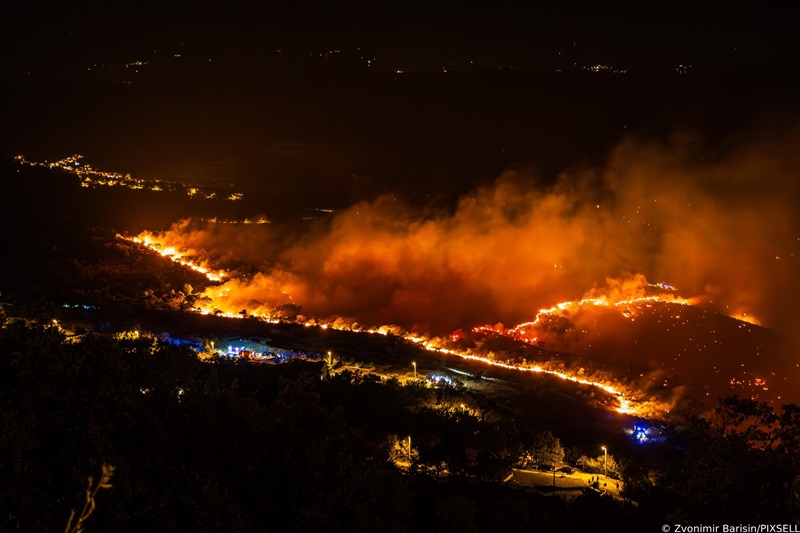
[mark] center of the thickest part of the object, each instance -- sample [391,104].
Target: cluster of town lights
[91,177]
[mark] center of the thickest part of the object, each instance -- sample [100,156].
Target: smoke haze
[722,226]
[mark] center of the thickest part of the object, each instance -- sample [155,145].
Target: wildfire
[181,257]
[625,297]
[258,220]
[624,407]
[744,317]
[623,397]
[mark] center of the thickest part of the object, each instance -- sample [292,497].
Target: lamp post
[409,448]
[605,462]
[415,369]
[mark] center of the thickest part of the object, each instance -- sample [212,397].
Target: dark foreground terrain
[221,445]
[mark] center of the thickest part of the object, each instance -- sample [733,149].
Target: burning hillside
[601,325]
[509,249]
[177,256]
[506,250]
[665,345]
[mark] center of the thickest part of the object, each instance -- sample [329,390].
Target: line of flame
[520,332]
[178,257]
[624,399]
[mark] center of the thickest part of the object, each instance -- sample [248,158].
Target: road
[568,486]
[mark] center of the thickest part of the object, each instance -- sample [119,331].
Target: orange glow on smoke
[721,229]
[622,295]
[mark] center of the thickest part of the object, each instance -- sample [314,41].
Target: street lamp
[415,369]
[605,462]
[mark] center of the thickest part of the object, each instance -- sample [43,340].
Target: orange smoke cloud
[723,228]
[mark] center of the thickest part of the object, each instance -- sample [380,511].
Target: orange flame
[624,396]
[158,245]
[623,296]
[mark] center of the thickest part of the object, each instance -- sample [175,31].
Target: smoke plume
[720,225]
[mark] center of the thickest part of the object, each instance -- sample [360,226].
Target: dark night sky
[714,35]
